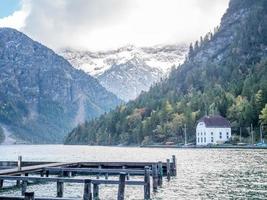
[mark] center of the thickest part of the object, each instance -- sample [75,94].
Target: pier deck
[25,172]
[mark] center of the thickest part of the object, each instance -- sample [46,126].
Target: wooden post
[160,174]
[87,192]
[121,186]
[147,183]
[174,165]
[168,170]
[18,182]
[155,177]
[29,196]
[26,174]
[95,191]
[98,175]
[60,188]
[1,183]
[19,163]
[47,173]
[42,173]
[128,175]
[106,176]
[69,174]
[23,187]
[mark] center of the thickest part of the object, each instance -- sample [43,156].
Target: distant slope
[225,73]
[129,70]
[2,136]
[41,95]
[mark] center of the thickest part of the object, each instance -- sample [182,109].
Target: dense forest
[225,73]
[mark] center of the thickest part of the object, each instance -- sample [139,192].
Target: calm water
[201,173]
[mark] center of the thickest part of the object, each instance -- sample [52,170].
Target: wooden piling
[29,196]
[1,183]
[19,163]
[147,183]
[47,173]
[98,175]
[42,173]
[174,165]
[18,182]
[106,176]
[155,177]
[95,192]
[128,175]
[160,174]
[121,190]
[168,170]
[87,192]
[23,187]
[70,174]
[60,188]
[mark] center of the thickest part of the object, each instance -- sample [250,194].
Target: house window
[201,133]
[212,139]
[204,139]
[211,133]
[205,133]
[198,140]
[220,135]
[227,135]
[201,140]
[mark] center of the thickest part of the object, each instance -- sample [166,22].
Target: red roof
[215,121]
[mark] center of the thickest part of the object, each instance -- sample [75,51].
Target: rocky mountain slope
[129,70]
[41,95]
[225,73]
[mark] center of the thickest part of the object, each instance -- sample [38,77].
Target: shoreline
[152,146]
[203,147]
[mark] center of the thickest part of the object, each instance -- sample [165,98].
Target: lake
[201,173]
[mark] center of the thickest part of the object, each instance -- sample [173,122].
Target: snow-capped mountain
[129,70]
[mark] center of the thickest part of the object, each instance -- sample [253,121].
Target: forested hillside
[225,73]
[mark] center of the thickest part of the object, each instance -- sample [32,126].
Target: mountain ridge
[41,92]
[154,63]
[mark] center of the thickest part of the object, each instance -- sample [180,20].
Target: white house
[212,130]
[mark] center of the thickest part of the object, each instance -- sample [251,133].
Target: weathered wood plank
[95,171]
[67,180]
[30,169]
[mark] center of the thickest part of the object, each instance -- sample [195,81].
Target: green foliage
[235,88]
[263,115]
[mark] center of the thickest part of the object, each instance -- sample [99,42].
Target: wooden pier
[22,173]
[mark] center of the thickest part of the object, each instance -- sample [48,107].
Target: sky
[108,24]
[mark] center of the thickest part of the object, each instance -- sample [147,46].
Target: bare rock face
[129,70]
[238,32]
[41,95]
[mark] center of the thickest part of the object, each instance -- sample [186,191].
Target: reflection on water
[201,173]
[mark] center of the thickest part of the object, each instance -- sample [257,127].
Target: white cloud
[17,19]
[102,24]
